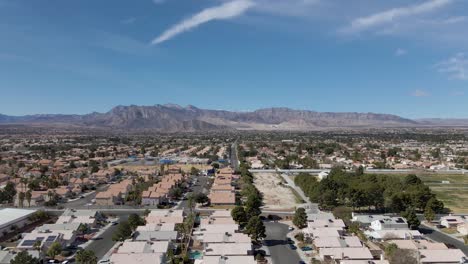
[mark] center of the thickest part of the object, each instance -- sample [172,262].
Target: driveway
[276,243]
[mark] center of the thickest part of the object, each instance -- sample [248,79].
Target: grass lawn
[454,194]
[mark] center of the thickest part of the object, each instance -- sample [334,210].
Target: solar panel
[39,238]
[51,238]
[28,243]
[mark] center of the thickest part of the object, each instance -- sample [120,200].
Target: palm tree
[29,197]
[21,197]
[24,181]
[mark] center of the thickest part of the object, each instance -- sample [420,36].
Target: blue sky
[78,56]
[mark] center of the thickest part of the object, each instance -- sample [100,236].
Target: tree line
[381,193]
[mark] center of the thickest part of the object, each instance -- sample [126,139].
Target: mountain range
[175,118]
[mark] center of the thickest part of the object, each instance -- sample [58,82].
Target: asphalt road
[81,203]
[105,242]
[234,157]
[443,238]
[199,187]
[276,243]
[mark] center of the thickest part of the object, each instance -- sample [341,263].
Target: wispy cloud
[128,21]
[400,52]
[392,15]
[158,2]
[456,67]
[420,93]
[224,11]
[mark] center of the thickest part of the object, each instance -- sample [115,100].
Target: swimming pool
[195,254]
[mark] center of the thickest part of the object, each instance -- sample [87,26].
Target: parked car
[293,247]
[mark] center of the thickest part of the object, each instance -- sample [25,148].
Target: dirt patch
[276,195]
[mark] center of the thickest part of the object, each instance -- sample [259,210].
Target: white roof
[441,256]
[226,238]
[160,246]
[347,253]
[393,234]
[367,219]
[324,231]
[133,247]
[331,222]
[364,262]
[137,258]
[228,260]
[221,213]
[9,216]
[227,249]
[157,227]
[218,229]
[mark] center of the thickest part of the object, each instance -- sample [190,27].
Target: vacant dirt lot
[275,195]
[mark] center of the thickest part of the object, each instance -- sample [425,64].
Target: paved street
[276,243]
[81,203]
[199,187]
[105,243]
[234,157]
[443,238]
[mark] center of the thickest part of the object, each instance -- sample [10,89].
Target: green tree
[252,205]
[175,192]
[194,171]
[202,198]
[83,228]
[239,215]
[123,232]
[300,218]
[135,220]
[255,228]
[54,250]
[23,257]
[9,192]
[436,205]
[429,214]
[411,218]
[412,179]
[390,250]
[86,257]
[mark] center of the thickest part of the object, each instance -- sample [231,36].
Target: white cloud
[420,93]
[224,11]
[392,15]
[294,8]
[400,52]
[456,67]
[128,21]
